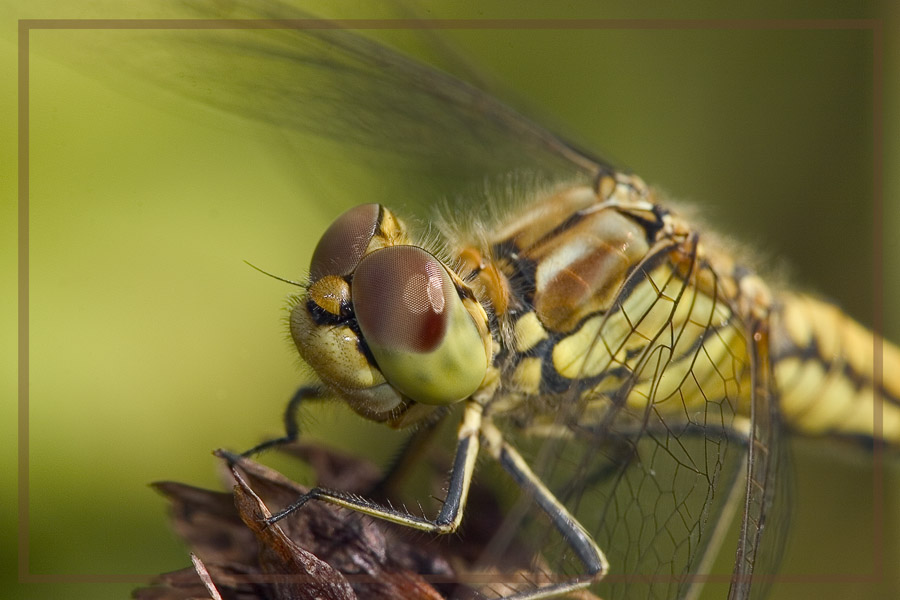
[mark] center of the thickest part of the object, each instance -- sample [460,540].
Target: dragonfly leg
[589,553]
[291,429]
[450,515]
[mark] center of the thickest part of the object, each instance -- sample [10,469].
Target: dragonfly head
[386,324]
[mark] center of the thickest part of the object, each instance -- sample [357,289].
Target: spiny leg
[450,515]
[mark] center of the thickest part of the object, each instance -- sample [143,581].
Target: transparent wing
[658,451]
[767,497]
[307,78]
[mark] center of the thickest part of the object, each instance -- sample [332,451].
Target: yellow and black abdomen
[824,365]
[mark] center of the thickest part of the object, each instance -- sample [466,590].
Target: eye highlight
[423,338]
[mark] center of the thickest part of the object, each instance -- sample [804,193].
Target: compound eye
[344,242]
[424,340]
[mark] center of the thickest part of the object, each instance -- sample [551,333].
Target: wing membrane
[308,78]
[658,455]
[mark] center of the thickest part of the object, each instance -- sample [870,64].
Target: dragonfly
[623,367]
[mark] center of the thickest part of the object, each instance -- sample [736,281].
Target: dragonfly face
[386,324]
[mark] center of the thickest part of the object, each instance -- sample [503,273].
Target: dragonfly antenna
[248,263]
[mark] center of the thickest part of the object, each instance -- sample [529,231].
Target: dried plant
[320,552]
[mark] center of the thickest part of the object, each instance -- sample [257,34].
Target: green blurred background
[151,342]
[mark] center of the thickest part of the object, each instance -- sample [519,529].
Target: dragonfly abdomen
[824,367]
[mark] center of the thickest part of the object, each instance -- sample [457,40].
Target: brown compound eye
[344,242]
[424,340]
[401,296]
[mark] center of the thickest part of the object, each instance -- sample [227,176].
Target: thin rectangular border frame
[25,26]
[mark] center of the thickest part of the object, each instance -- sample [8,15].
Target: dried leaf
[321,551]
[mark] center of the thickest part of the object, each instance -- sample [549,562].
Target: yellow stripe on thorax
[683,345]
